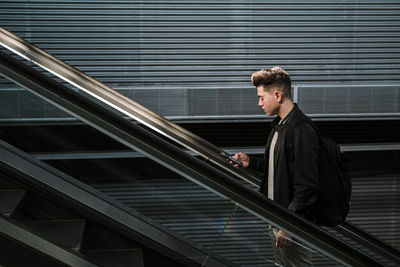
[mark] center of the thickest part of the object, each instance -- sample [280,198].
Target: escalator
[88,228]
[217,187]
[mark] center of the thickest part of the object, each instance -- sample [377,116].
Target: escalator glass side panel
[216,224]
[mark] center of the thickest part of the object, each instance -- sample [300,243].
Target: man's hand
[243,158]
[283,239]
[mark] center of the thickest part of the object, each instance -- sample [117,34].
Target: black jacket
[295,178]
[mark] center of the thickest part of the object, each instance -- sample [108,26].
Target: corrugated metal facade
[194,58]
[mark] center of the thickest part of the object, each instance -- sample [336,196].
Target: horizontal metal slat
[132,44]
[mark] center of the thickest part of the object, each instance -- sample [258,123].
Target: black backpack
[333,203]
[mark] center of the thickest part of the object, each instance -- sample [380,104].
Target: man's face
[267,100]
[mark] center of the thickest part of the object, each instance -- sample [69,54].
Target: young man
[291,182]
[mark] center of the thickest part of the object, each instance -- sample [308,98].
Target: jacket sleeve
[306,173]
[256,164]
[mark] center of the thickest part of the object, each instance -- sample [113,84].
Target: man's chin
[266,113]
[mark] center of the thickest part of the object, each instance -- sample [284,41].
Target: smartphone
[229,157]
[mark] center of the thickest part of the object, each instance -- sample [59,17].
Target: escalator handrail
[122,103]
[359,235]
[174,158]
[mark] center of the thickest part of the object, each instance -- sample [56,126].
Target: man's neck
[285,109]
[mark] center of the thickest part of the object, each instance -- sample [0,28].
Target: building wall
[193,59]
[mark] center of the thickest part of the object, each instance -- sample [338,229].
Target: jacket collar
[278,126]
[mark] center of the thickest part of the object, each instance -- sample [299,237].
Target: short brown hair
[274,76]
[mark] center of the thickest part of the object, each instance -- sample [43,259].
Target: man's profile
[290,179]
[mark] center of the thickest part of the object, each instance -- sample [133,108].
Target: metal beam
[247,150]
[39,246]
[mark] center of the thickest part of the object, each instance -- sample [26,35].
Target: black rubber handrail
[127,106]
[177,160]
[360,236]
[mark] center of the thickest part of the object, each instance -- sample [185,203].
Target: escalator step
[67,233]
[9,200]
[128,257]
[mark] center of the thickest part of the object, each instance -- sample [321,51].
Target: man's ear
[278,96]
